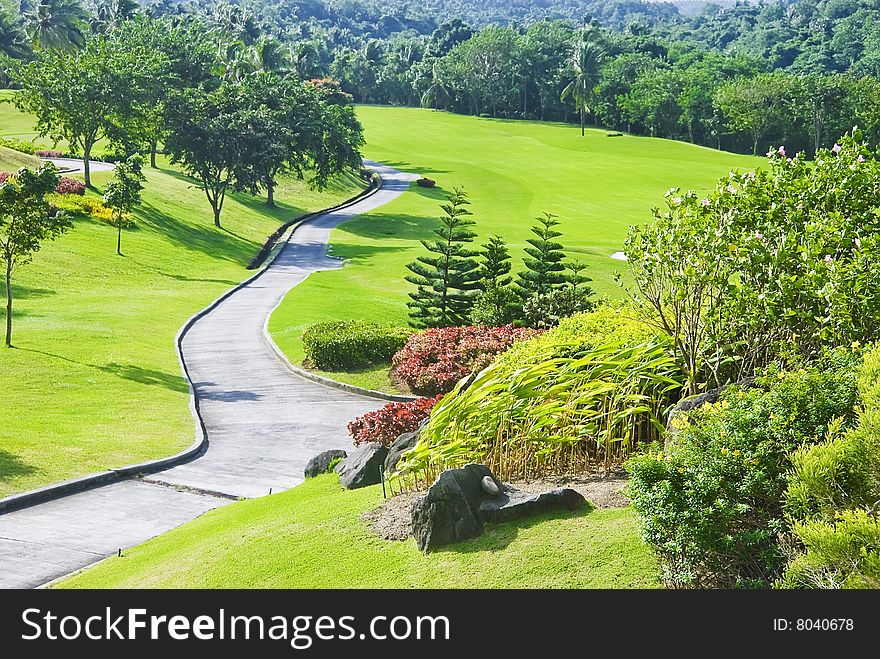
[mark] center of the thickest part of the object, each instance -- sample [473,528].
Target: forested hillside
[741,78]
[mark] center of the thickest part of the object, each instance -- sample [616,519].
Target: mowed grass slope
[313,537]
[12,161]
[513,171]
[93,381]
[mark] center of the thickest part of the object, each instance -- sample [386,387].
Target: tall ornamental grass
[562,406]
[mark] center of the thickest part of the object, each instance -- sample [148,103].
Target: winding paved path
[264,423]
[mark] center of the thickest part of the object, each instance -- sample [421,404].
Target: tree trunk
[153,148]
[9,303]
[119,236]
[270,193]
[582,121]
[87,154]
[216,216]
[755,146]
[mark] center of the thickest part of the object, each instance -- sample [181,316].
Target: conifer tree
[448,277]
[495,265]
[545,270]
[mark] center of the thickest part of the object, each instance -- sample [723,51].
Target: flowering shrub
[712,500]
[776,263]
[390,422]
[49,154]
[82,206]
[4,176]
[432,361]
[351,344]
[70,186]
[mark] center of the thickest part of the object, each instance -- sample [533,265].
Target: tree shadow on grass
[499,536]
[180,277]
[12,466]
[147,376]
[206,239]
[382,226]
[26,292]
[129,372]
[412,168]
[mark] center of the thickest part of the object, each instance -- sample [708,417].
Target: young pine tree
[495,263]
[496,304]
[447,278]
[545,270]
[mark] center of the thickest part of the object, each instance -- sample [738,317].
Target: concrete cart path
[264,423]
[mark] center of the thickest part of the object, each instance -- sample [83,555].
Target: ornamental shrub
[82,206]
[70,186]
[781,261]
[19,145]
[49,153]
[711,501]
[432,361]
[4,176]
[842,553]
[390,422]
[351,344]
[833,498]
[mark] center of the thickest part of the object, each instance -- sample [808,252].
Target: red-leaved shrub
[432,361]
[70,186]
[390,422]
[4,176]
[49,154]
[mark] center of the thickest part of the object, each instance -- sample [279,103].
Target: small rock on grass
[320,464]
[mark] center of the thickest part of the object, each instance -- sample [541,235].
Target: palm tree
[107,15]
[55,24]
[13,40]
[436,94]
[585,64]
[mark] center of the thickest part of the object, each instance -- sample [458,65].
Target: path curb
[200,445]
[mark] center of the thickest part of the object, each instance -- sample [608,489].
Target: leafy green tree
[294,129]
[123,193]
[447,279]
[823,102]
[86,95]
[26,221]
[755,105]
[55,24]
[585,64]
[544,263]
[209,136]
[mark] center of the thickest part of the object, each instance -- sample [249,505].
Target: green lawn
[312,537]
[93,381]
[513,171]
[12,161]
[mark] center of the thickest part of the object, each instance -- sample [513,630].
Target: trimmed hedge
[351,344]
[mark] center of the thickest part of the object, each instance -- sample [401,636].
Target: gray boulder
[450,511]
[461,501]
[363,467]
[320,464]
[513,504]
[400,446]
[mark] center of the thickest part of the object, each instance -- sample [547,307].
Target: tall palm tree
[109,14]
[55,24]
[13,40]
[436,94]
[585,63]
